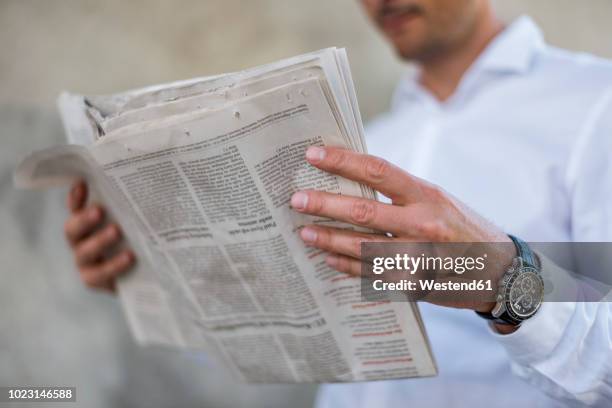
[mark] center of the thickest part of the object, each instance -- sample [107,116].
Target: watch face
[524,294]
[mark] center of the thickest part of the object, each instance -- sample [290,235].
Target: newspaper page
[203,195]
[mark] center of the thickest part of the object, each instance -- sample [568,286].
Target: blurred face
[423,29]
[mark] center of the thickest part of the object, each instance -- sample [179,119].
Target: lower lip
[397,22]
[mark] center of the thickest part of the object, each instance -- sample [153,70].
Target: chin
[408,53]
[409,46]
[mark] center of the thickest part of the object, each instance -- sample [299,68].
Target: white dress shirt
[526,141]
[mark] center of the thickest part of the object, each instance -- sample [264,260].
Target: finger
[93,247]
[390,180]
[344,264]
[339,241]
[103,274]
[82,223]
[353,210]
[77,197]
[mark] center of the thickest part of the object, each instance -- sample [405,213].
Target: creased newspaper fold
[200,173]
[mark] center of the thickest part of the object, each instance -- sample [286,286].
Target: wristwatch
[521,289]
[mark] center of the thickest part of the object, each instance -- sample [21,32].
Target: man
[518,131]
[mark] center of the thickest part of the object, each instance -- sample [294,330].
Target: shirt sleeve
[566,348]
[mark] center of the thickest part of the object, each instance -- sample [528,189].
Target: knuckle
[324,239]
[437,193]
[331,241]
[354,268]
[362,212]
[355,246]
[436,231]
[377,169]
[316,202]
[342,264]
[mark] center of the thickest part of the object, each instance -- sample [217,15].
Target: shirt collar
[511,51]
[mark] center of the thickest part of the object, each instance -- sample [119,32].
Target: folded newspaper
[199,173]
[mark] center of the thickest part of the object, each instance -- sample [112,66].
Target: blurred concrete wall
[54,332]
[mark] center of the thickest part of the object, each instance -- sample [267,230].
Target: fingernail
[308,234]
[299,201]
[332,261]
[315,154]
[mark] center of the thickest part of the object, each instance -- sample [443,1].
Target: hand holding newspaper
[199,174]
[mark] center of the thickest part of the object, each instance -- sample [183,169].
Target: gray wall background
[52,330]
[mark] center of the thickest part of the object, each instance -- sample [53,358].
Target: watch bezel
[508,282]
